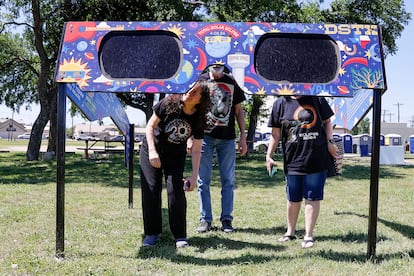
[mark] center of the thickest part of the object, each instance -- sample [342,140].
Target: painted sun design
[74,71]
[261,91]
[284,89]
[274,30]
[178,30]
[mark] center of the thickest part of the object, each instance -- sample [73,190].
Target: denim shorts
[309,186]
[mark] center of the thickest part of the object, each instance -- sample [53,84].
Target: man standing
[220,137]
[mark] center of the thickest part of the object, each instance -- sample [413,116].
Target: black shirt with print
[174,128]
[303,137]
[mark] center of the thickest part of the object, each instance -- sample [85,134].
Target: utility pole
[389,113]
[384,111]
[412,121]
[398,108]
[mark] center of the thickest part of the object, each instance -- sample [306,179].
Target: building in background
[10,129]
[397,128]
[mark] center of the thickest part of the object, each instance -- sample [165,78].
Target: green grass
[103,236]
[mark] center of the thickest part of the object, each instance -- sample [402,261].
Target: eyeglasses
[217,38]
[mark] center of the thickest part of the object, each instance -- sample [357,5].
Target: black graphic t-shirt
[220,119]
[175,128]
[303,138]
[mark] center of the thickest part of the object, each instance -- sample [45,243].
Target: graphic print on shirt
[178,131]
[305,117]
[221,101]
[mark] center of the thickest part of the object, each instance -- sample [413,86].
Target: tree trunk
[47,96]
[254,115]
[149,98]
[51,145]
[35,141]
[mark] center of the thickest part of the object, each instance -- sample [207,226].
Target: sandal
[286,238]
[308,243]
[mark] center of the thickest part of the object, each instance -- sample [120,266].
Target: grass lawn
[103,236]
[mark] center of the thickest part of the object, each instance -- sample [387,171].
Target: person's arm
[273,144]
[152,124]
[189,144]
[332,148]
[239,113]
[195,162]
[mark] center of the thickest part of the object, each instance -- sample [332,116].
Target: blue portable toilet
[362,144]
[347,141]
[382,140]
[411,144]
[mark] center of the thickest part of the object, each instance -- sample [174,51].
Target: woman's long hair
[174,102]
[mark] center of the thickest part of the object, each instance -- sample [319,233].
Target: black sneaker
[226,226]
[204,226]
[150,240]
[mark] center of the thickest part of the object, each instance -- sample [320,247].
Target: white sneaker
[181,243]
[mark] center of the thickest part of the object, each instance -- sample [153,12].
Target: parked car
[139,137]
[117,138]
[84,137]
[24,136]
[261,146]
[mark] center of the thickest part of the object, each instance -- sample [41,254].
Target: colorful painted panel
[96,106]
[350,111]
[230,43]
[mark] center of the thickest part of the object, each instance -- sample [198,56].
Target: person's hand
[190,183]
[334,151]
[242,146]
[189,145]
[154,159]
[269,164]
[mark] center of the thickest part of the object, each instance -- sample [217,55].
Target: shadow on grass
[405,230]
[16,170]
[215,243]
[263,231]
[357,171]
[349,257]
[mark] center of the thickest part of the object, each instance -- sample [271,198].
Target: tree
[362,127]
[27,71]
[390,15]
[254,112]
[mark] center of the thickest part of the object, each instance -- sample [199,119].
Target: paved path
[42,148]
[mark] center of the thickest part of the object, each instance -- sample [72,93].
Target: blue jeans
[226,158]
[308,186]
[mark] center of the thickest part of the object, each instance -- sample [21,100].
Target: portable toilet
[362,144]
[393,139]
[411,144]
[382,140]
[347,141]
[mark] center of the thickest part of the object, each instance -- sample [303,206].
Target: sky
[397,102]
[399,72]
